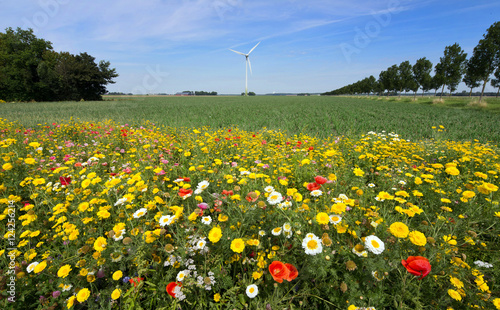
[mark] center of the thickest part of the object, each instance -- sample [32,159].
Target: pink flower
[203,206]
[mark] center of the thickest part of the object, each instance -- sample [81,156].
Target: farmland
[317,116]
[250,203]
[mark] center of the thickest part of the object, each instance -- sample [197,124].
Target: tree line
[31,70]
[454,67]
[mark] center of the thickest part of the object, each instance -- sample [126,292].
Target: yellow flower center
[312,244]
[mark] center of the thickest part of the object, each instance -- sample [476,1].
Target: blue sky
[167,46]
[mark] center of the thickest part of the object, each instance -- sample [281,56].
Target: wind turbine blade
[249,65]
[237,52]
[253,48]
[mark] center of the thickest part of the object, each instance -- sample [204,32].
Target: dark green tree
[422,73]
[452,66]
[393,76]
[406,79]
[31,70]
[21,52]
[486,55]
[471,78]
[496,81]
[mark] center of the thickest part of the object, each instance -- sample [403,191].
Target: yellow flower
[490,187]
[257,274]
[71,301]
[84,272]
[215,234]
[454,294]
[222,217]
[117,275]
[217,297]
[417,238]
[85,183]
[193,216]
[103,214]
[100,244]
[468,194]
[30,161]
[358,172]
[40,267]
[456,282]
[496,303]
[64,271]
[116,294]
[83,295]
[322,218]
[399,230]
[452,171]
[238,245]
[7,166]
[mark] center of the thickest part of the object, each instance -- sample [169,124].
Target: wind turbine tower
[247,65]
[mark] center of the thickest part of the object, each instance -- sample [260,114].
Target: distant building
[185,93]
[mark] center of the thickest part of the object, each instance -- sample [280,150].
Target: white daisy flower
[207,220]
[312,244]
[287,227]
[360,251]
[119,235]
[287,204]
[120,201]
[274,198]
[269,189]
[139,213]
[198,191]
[262,233]
[203,185]
[343,197]
[288,234]
[200,245]
[252,291]
[371,185]
[335,219]
[182,274]
[276,231]
[316,193]
[374,244]
[66,287]
[31,266]
[166,220]
[244,172]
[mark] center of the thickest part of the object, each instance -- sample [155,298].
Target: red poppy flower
[293,272]
[313,186]
[135,281]
[65,180]
[184,192]
[417,265]
[279,271]
[171,287]
[320,180]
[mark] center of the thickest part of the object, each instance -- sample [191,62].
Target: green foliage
[452,66]
[31,70]
[323,117]
[442,188]
[422,72]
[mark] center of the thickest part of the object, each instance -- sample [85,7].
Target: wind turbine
[247,65]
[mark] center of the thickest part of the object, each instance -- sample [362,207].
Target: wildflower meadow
[105,215]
